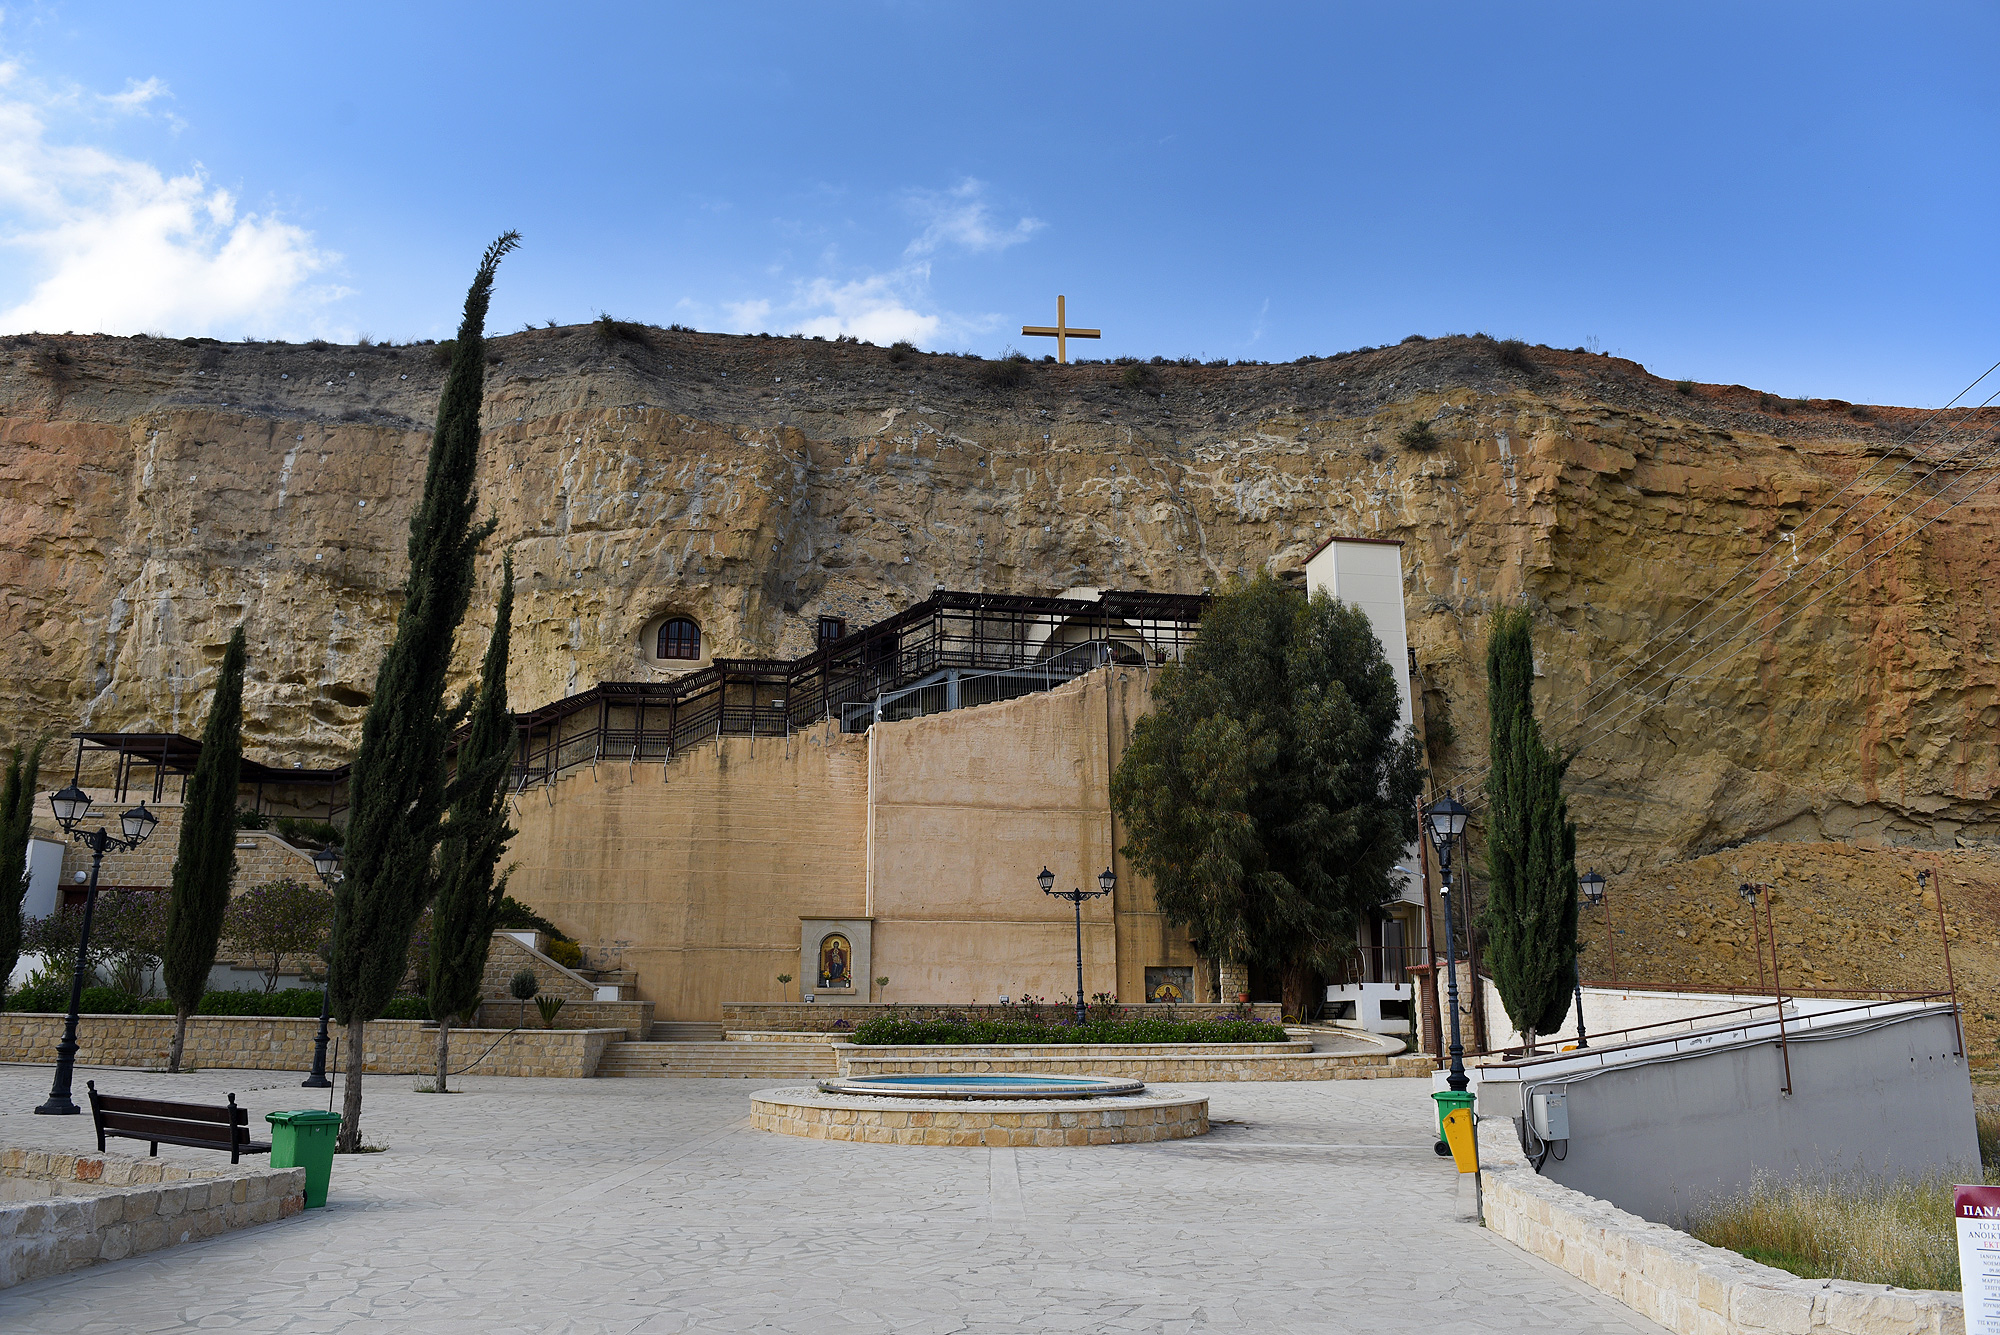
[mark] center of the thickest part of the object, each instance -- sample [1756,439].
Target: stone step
[763,1061]
[685,1031]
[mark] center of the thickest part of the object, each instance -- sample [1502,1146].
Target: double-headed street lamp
[1106,879]
[1447,821]
[327,863]
[72,805]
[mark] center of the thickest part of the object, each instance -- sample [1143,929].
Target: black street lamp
[72,805]
[327,863]
[1106,879]
[1592,886]
[1447,821]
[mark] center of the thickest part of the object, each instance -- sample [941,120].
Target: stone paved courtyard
[650,1206]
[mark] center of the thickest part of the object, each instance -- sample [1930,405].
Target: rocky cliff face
[153,494]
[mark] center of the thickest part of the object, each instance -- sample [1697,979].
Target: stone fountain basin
[971,1086]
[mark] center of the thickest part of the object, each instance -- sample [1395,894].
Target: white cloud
[118,246]
[961,217]
[882,306]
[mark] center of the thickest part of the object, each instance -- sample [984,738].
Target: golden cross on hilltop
[1061,333]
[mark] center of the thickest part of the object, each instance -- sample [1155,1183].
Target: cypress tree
[467,908]
[206,862]
[1530,842]
[17,814]
[398,778]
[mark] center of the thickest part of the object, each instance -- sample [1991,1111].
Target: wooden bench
[203,1126]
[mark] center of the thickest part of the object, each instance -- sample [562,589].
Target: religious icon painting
[835,962]
[1169,983]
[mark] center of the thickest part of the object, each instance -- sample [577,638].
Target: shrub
[1418,435]
[296,1002]
[442,352]
[523,985]
[889,1029]
[566,953]
[680,329]
[1514,353]
[1140,376]
[610,331]
[105,1001]
[1861,413]
[550,1007]
[276,919]
[1007,373]
[306,832]
[1416,338]
[518,917]
[248,819]
[1684,387]
[405,1008]
[902,350]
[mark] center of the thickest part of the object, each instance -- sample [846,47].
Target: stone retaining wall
[820,1017]
[280,1043]
[1111,1061]
[634,1017]
[1006,1051]
[805,1112]
[101,1207]
[1679,1281]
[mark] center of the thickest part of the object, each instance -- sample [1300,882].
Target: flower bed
[888,1030]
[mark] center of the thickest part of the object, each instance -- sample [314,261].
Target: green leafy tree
[1530,843]
[17,815]
[207,859]
[398,778]
[467,909]
[279,918]
[1271,791]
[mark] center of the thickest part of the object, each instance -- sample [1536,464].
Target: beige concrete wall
[966,809]
[694,875]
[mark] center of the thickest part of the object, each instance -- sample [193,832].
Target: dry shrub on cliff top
[1514,353]
[1008,372]
[902,350]
[610,332]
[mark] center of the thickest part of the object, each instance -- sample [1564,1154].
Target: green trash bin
[305,1140]
[1448,1102]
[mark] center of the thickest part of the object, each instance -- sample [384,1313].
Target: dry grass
[1869,1230]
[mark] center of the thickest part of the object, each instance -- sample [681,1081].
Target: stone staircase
[698,1060]
[685,1031]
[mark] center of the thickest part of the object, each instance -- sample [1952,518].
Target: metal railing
[950,651]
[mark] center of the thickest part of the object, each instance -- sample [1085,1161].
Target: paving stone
[652,1207]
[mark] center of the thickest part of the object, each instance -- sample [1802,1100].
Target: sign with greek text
[1978,1211]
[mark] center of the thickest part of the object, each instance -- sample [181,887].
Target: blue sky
[1798,198]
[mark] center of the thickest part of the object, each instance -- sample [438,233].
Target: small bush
[1684,387]
[566,953]
[1140,376]
[1513,353]
[1416,338]
[1419,436]
[1007,373]
[107,1001]
[1861,413]
[550,1007]
[523,985]
[680,329]
[247,819]
[298,1002]
[405,1008]
[518,917]
[902,350]
[610,331]
[442,352]
[306,832]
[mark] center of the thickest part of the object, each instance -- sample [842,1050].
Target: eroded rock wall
[154,493]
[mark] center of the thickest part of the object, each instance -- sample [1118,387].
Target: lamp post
[1593,895]
[1106,879]
[72,805]
[1447,820]
[327,863]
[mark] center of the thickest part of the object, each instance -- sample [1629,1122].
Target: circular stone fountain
[993,1110]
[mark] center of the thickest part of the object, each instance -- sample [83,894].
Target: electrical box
[1549,1114]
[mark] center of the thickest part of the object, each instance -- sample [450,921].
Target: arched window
[679,638]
